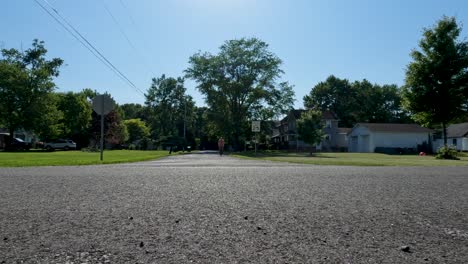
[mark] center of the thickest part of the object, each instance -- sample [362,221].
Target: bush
[90,149]
[447,152]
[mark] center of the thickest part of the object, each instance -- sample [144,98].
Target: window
[328,123]
[454,141]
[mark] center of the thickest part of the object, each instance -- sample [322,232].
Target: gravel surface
[204,208]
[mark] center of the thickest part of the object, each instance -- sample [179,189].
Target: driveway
[204,208]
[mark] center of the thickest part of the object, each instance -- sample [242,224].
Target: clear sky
[351,39]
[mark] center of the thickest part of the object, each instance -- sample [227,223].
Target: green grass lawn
[60,158]
[355,159]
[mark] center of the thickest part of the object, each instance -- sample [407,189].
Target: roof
[326,115]
[329,115]
[344,130]
[390,127]
[457,130]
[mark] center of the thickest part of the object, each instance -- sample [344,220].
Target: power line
[127,38]
[89,46]
[75,36]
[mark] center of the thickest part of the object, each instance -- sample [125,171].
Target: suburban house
[457,135]
[286,137]
[369,137]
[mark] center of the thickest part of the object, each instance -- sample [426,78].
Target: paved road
[204,208]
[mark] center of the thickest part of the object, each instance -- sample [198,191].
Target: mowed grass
[355,159]
[62,158]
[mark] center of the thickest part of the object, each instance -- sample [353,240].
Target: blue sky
[350,39]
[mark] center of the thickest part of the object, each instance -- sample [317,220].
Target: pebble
[142,244]
[405,248]
[130,218]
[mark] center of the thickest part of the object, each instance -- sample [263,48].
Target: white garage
[365,137]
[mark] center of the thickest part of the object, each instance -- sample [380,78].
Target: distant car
[65,144]
[16,144]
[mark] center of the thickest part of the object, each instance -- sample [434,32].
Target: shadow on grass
[280,154]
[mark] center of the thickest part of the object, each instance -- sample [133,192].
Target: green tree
[169,108]
[137,129]
[76,113]
[360,101]
[436,89]
[133,111]
[336,95]
[378,104]
[26,81]
[310,127]
[238,83]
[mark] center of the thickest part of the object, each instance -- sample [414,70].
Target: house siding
[399,140]
[361,139]
[462,143]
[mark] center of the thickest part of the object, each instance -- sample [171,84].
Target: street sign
[103,104]
[255,126]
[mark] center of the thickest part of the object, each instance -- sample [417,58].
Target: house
[285,134]
[369,137]
[457,135]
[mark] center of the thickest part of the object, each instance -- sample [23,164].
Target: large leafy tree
[115,131]
[360,101]
[137,129]
[76,111]
[239,84]
[378,103]
[169,107]
[310,127]
[133,111]
[336,95]
[436,89]
[26,81]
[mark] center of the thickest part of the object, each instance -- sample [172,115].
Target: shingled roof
[457,130]
[326,115]
[389,127]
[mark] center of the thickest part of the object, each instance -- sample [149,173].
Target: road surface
[202,208]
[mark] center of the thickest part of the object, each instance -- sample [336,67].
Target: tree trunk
[10,138]
[444,129]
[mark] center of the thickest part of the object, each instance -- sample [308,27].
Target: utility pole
[185,117]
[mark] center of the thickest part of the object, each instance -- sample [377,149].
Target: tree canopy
[169,107]
[436,89]
[360,101]
[26,81]
[239,84]
[310,127]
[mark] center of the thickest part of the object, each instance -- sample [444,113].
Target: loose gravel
[203,208]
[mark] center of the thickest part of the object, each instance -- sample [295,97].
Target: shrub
[447,152]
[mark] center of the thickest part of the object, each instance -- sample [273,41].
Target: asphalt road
[203,208]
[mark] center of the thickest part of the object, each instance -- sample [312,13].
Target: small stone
[246,217]
[142,244]
[259,228]
[130,218]
[405,248]
[177,221]
[5,238]
[426,259]
[84,254]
